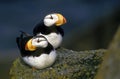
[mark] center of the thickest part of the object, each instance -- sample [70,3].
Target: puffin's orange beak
[29,46]
[61,20]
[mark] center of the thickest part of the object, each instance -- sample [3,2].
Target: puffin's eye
[51,17]
[38,41]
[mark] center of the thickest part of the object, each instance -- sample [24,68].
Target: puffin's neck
[41,28]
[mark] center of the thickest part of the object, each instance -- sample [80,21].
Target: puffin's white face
[50,19]
[39,42]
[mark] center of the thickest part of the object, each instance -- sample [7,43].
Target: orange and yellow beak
[61,20]
[29,46]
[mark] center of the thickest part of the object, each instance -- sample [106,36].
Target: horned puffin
[36,51]
[50,28]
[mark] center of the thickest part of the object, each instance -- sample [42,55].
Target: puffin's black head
[49,24]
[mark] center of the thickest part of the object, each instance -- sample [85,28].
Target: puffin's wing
[19,40]
[38,28]
[35,30]
[24,33]
[60,30]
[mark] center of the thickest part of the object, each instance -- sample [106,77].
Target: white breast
[53,38]
[42,61]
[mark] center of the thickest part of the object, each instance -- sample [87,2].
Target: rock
[110,68]
[69,65]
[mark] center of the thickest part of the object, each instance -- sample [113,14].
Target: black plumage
[21,42]
[41,28]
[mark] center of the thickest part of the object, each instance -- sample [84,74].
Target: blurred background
[91,24]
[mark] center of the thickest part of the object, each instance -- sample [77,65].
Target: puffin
[36,51]
[50,28]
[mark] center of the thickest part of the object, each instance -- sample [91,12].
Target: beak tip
[61,21]
[64,20]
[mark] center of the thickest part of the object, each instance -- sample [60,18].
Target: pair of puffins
[39,50]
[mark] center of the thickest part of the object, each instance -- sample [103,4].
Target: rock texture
[69,65]
[76,65]
[110,68]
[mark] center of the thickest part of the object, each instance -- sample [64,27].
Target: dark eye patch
[51,17]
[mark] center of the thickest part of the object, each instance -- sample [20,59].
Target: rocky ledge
[76,65]
[69,65]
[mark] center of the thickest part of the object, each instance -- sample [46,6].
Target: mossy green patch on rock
[69,65]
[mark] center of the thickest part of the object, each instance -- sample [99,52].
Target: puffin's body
[36,51]
[50,28]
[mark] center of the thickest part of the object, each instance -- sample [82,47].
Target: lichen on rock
[69,65]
